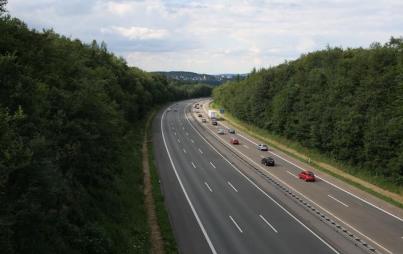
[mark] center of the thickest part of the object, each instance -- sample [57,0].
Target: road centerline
[236,224]
[232,186]
[270,225]
[212,165]
[292,174]
[335,199]
[208,186]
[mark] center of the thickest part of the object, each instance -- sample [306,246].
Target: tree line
[345,103]
[71,123]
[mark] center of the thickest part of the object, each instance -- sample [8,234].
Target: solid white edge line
[263,192]
[236,224]
[292,174]
[270,225]
[212,164]
[332,184]
[232,186]
[363,200]
[208,186]
[310,200]
[213,250]
[193,165]
[335,199]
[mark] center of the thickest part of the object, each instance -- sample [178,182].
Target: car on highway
[232,131]
[204,120]
[268,161]
[169,109]
[234,141]
[221,131]
[307,176]
[214,122]
[262,147]
[199,115]
[175,110]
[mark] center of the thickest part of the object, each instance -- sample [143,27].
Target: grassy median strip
[161,212]
[371,184]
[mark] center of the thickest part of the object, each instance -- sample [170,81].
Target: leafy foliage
[347,104]
[71,125]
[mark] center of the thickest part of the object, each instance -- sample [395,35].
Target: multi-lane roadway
[222,200]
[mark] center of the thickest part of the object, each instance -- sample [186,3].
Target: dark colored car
[199,115]
[232,131]
[307,176]
[268,161]
[234,141]
[214,122]
[204,120]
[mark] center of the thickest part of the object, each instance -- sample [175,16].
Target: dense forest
[71,124]
[345,103]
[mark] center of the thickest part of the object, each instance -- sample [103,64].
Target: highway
[220,200]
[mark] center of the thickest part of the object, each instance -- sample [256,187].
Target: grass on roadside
[315,158]
[161,212]
[133,227]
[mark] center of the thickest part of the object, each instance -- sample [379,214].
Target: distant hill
[201,78]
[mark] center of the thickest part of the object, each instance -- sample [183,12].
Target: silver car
[262,147]
[221,131]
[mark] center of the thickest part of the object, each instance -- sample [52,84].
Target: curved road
[218,203]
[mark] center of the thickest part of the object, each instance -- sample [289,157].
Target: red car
[307,176]
[234,141]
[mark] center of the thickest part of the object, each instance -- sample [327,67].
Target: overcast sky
[215,36]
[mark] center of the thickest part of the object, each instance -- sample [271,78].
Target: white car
[262,147]
[220,131]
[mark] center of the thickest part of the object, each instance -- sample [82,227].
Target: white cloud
[305,45]
[119,8]
[216,36]
[136,33]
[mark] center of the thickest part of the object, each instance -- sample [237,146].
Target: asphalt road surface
[220,201]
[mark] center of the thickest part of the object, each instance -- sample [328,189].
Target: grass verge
[162,214]
[131,231]
[353,176]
